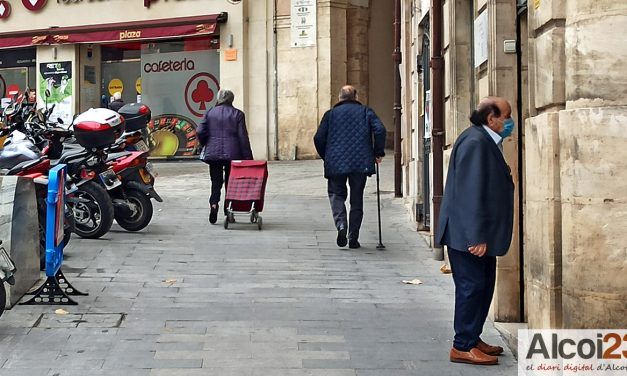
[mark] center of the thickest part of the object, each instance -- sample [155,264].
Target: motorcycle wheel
[3,298]
[95,217]
[142,214]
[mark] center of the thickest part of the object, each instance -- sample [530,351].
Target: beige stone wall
[381,72]
[576,190]
[592,159]
[543,215]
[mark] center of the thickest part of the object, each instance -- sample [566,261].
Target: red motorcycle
[138,178]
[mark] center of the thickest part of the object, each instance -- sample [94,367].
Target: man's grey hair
[348,93]
[225,97]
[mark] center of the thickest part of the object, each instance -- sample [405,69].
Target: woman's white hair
[226,97]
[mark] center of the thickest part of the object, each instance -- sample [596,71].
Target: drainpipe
[521,10]
[275,91]
[398,58]
[437,100]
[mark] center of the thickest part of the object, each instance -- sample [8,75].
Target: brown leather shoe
[474,356]
[489,349]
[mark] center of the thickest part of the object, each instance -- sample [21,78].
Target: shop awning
[117,32]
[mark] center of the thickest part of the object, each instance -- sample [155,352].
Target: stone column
[502,82]
[543,217]
[592,138]
[358,19]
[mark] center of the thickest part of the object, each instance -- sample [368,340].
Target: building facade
[171,55]
[175,55]
[559,64]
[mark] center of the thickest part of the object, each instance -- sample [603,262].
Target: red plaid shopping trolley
[245,191]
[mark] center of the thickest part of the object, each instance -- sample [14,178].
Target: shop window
[178,79]
[17,71]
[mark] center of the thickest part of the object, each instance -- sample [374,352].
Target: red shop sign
[5,9]
[34,5]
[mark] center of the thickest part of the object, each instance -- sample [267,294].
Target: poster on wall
[427,114]
[57,77]
[179,87]
[481,38]
[303,23]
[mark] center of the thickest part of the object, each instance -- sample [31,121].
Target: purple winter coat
[222,133]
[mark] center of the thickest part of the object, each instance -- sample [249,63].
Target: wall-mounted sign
[481,38]
[5,9]
[90,74]
[230,55]
[303,23]
[116,85]
[23,57]
[34,5]
[57,77]
[179,87]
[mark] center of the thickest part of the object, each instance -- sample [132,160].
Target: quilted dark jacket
[345,139]
[222,133]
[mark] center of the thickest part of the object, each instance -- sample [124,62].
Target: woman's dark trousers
[219,172]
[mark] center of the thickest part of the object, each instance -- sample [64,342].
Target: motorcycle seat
[114,156]
[23,166]
[70,154]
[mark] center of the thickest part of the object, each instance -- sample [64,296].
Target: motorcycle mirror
[60,121]
[47,93]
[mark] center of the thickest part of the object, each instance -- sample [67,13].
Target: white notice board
[303,23]
[481,38]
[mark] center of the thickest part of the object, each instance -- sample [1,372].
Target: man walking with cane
[344,141]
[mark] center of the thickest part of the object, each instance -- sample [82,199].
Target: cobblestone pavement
[184,297]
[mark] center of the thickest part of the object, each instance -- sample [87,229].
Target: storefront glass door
[179,80]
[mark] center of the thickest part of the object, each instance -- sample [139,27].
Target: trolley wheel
[231,217]
[253,216]
[259,223]
[226,223]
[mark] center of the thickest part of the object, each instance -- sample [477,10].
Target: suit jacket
[478,203]
[349,138]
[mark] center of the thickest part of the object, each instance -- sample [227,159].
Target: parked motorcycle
[7,271]
[99,165]
[91,206]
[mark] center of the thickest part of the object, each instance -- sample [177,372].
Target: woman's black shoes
[341,237]
[213,214]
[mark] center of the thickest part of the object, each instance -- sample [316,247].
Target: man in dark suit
[475,223]
[344,141]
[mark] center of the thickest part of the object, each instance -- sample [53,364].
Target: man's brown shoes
[489,349]
[474,356]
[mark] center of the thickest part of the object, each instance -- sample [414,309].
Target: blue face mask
[508,128]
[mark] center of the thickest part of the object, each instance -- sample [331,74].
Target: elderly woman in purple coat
[223,136]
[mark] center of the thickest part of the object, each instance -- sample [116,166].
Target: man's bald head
[492,111]
[348,93]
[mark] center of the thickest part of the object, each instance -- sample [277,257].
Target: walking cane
[380,246]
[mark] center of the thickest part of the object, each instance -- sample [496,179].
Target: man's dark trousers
[337,196]
[474,286]
[219,172]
